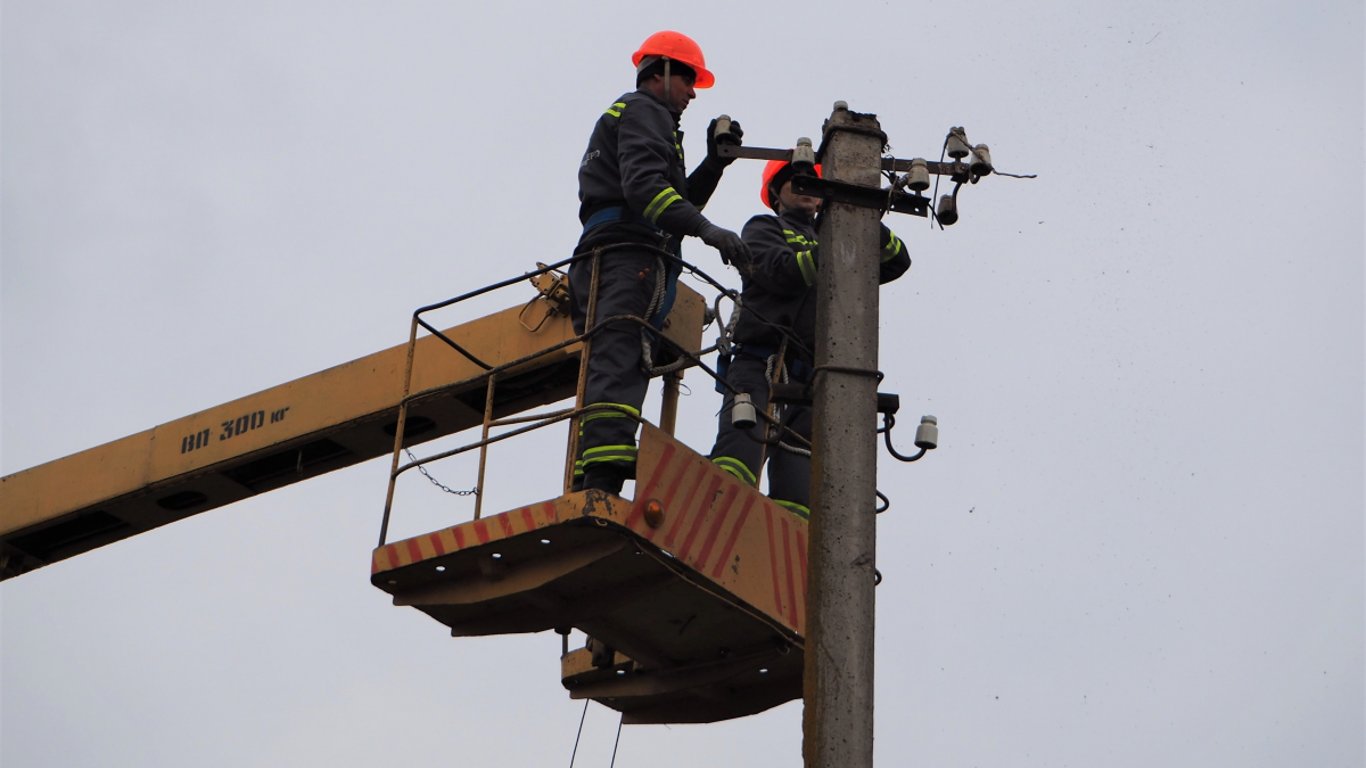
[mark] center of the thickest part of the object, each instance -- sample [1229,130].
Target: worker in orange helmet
[636,202]
[774,337]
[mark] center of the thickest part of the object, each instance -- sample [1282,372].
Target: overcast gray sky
[1140,543]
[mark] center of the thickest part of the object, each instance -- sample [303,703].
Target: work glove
[713,141]
[732,248]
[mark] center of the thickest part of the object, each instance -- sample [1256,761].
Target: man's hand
[714,140]
[733,249]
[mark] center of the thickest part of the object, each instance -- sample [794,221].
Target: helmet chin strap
[668,85]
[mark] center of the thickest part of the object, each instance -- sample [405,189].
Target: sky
[1140,541]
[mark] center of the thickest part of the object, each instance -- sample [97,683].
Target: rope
[616,743]
[579,735]
[648,333]
[771,366]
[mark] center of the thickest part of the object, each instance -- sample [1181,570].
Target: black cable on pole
[889,421]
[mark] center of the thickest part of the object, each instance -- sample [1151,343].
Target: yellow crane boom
[291,432]
[693,592]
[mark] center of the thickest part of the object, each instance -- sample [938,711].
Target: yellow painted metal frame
[291,432]
[699,582]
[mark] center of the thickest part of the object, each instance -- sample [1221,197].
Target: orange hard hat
[676,46]
[771,171]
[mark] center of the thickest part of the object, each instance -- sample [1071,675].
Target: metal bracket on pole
[790,393]
[968,164]
[753,153]
[962,173]
[864,197]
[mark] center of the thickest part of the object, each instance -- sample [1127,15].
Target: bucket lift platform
[693,593]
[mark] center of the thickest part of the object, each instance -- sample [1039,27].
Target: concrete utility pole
[838,683]
[837,724]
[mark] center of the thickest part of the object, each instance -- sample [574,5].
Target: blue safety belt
[672,267]
[604,216]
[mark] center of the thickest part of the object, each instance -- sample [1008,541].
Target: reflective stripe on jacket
[779,281]
[634,160]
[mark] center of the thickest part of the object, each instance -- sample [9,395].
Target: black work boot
[605,477]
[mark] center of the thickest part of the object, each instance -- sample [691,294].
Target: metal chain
[423,469]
